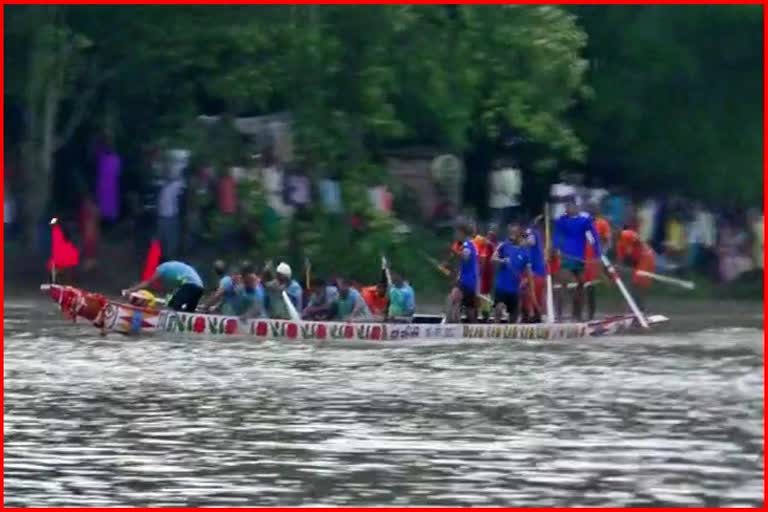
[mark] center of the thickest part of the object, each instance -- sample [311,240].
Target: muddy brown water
[672,418]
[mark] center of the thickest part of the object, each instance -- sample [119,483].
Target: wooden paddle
[688,285]
[447,273]
[617,279]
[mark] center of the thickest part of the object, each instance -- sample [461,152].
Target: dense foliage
[677,99]
[647,96]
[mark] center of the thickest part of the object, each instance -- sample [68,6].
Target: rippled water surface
[673,418]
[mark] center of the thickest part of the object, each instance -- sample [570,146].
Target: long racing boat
[110,315]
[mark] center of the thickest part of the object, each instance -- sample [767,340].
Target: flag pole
[547,251]
[53,260]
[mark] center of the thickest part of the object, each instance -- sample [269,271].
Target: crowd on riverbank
[187,206]
[687,236]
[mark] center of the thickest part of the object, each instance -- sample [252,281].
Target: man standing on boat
[512,257]
[402,300]
[594,266]
[486,246]
[570,240]
[180,279]
[464,293]
[640,256]
[532,310]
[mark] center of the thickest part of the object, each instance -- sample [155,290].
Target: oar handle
[620,284]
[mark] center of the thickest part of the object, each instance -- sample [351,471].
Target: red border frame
[128,2]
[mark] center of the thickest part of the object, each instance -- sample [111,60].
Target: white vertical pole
[547,250]
[53,260]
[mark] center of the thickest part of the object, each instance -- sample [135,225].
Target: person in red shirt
[593,265]
[641,257]
[486,246]
[376,298]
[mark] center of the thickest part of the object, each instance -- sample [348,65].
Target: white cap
[284,269]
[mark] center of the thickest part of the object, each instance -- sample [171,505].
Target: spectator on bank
[108,184]
[272,182]
[675,242]
[560,194]
[89,228]
[201,204]
[756,227]
[9,215]
[660,221]
[646,215]
[168,213]
[597,194]
[615,208]
[733,255]
[702,237]
[505,187]
[582,193]
[227,207]
[148,193]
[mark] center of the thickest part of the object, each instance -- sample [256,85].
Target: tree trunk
[30,149]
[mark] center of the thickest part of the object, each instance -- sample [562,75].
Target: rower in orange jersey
[376,297]
[640,256]
[593,265]
[486,246]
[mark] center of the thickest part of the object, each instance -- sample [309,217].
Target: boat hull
[114,316]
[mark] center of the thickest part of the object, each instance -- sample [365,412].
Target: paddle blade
[153,260]
[63,253]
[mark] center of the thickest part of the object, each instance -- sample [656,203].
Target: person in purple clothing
[571,234]
[109,185]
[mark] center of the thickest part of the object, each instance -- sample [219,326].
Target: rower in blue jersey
[570,240]
[464,293]
[533,239]
[514,267]
[225,299]
[402,300]
[323,302]
[180,279]
[250,296]
[351,306]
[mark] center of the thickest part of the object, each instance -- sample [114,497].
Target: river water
[674,418]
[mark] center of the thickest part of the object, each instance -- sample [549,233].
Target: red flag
[153,260]
[63,253]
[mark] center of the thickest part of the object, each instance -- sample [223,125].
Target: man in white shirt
[597,194]
[702,236]
[505,184]
[560,194]
[168,209]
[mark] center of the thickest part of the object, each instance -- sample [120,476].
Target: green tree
[677,103]
[57,80]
